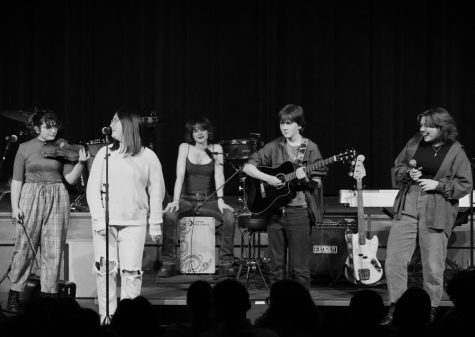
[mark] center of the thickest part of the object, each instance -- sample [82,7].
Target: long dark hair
[440,118]
[131,139]
[201,122]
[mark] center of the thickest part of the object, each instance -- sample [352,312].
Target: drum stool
[253,227]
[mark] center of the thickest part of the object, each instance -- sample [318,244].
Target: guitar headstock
[348,155]
[359,172]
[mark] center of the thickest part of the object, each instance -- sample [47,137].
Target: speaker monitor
[328,246]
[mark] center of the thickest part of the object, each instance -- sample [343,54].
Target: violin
[60,148]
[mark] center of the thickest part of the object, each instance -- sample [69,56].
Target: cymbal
[17,115]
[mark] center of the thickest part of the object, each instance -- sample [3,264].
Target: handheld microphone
[106,130]
[413,165]
[11,139]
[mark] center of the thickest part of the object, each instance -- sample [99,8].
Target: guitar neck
[361,219]
[312,167]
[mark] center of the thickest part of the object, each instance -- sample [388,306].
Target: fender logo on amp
[325,249]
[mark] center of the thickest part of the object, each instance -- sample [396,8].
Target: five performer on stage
[432,170]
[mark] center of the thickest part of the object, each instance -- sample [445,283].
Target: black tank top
[199,178]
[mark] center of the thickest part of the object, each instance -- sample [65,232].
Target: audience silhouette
[199,305]
[230,305]
[412,313]
[222,311]
[292,311]
[366,312]
[458,319]
[134,317]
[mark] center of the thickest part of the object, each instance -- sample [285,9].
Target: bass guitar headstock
[358,170]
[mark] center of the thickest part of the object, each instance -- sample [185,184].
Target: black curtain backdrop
[362,70]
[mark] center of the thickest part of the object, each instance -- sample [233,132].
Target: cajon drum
[197,245]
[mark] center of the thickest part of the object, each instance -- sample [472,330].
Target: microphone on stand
[11,139]
[209,153]
[106,130]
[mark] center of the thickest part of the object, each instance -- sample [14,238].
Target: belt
[284,208]
[197,196]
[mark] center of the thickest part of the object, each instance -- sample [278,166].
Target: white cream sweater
[136,190]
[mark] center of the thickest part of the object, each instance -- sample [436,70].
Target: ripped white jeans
[126,245]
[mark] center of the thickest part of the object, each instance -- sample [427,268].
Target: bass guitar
[362,265]
[260,196]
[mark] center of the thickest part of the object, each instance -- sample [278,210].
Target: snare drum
[239,149]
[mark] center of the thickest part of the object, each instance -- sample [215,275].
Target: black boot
[50,295]
[388,319]
[13,303]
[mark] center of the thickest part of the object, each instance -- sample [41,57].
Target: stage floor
[168,297]
[170,293]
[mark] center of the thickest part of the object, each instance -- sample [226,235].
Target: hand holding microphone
[414,171]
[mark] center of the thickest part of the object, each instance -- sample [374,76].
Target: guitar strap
[301,152]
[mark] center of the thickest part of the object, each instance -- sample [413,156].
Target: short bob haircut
[131,139]
[46,116]
[202,123]
[440,118]
[292,113]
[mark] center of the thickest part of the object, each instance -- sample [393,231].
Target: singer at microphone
[425,212]
[414,171]
[11,139]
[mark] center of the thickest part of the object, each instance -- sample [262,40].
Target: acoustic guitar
[260,196]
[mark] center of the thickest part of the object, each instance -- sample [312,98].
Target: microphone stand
[107,319]
[196,209]
[4,156]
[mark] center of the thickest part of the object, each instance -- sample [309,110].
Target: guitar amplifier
[328,245]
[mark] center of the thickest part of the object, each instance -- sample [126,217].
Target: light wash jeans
[402,243]
[126,246]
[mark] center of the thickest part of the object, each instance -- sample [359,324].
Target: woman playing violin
[40,208]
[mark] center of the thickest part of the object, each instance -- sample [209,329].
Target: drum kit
[236,152]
